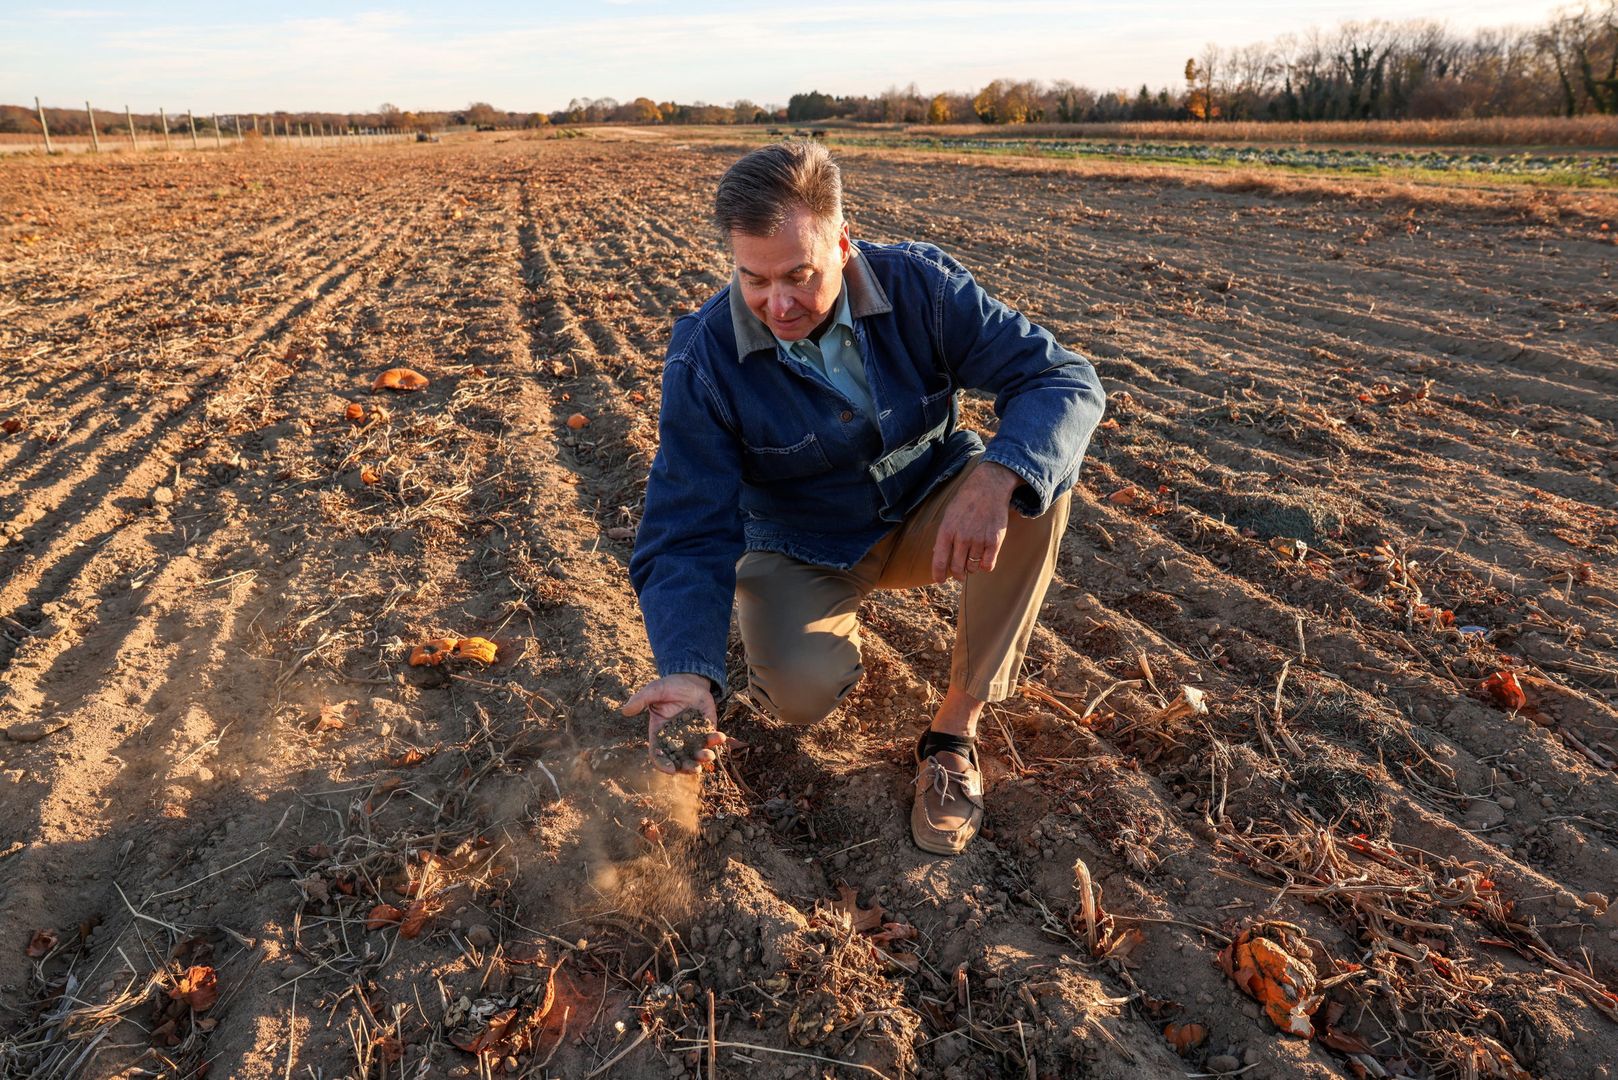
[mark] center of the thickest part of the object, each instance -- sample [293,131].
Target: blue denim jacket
[758,452]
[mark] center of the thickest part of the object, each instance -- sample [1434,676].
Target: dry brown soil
[210,581]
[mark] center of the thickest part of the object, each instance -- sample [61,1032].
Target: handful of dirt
[687,743]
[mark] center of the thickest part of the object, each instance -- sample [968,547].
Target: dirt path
[211,579]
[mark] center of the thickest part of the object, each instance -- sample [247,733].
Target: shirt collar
[862,294]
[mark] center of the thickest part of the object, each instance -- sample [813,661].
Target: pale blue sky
[538,55]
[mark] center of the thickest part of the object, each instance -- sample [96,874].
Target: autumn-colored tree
[1007,102]
[482,114]
[642,110]
[1199,83]
[938,110]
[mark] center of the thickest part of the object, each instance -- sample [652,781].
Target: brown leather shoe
[948,810]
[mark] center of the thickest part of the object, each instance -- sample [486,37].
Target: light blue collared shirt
[836,357]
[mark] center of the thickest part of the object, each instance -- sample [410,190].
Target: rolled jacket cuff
[1033,496]
[686,665]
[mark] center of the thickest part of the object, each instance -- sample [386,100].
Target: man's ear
[845,246]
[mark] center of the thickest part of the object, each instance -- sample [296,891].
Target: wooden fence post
[164,116]
[191,118]
[238,119]
[95,140]
[218,139]
[130,121]
[43,126]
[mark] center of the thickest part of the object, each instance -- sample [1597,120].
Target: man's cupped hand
[664,699]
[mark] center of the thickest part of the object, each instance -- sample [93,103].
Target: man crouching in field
[809,454]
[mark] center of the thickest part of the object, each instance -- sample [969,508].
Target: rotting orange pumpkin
[432,652]
[1185,1037]
[355,412]
[400,378]
[1272,962]
[475,648]
[578,420]
[369,476]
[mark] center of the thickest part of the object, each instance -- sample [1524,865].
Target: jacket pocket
[766,464]
[938,406]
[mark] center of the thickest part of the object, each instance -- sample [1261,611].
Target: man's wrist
[998,478]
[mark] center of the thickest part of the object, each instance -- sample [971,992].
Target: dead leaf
[391,1050]
[198,988]
[475,648]
[383,916]
[1121,946]
[894,931]
[412,756]
[400,378]
[329,718]
[863,920]
[1125,496]
[11,426]
[42,942]
[421,912]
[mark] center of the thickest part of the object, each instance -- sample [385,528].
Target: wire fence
[180,132]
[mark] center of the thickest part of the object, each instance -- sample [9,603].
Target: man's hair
[762,188]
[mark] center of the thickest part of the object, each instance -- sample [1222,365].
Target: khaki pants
[799,627]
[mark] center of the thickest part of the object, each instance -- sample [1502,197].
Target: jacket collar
[865,298]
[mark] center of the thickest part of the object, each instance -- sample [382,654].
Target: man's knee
[802,694]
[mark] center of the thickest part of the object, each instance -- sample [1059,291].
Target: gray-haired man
[809,453]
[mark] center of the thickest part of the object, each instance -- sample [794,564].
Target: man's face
[791,280]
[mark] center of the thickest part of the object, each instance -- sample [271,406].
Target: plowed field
[1345,421]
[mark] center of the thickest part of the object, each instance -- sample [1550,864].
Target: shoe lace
[938,776]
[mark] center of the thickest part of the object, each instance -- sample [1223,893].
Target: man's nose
[781,304]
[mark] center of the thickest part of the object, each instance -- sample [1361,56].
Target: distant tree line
[1415,70]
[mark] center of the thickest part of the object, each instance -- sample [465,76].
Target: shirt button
[847,416]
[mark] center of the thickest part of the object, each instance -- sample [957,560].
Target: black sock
[934,741]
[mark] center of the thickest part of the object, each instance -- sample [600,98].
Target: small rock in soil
[33,730]
[1223,1063]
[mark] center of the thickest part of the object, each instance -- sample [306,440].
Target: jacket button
[847,416]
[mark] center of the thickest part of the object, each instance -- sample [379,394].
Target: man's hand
[664,699]
[974,524]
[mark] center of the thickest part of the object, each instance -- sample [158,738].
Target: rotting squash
[400,378]
[1272,962]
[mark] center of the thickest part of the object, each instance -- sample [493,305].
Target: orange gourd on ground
[400,378]
[1185,1037]
[1273,964]
[432,652]
[475,648]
